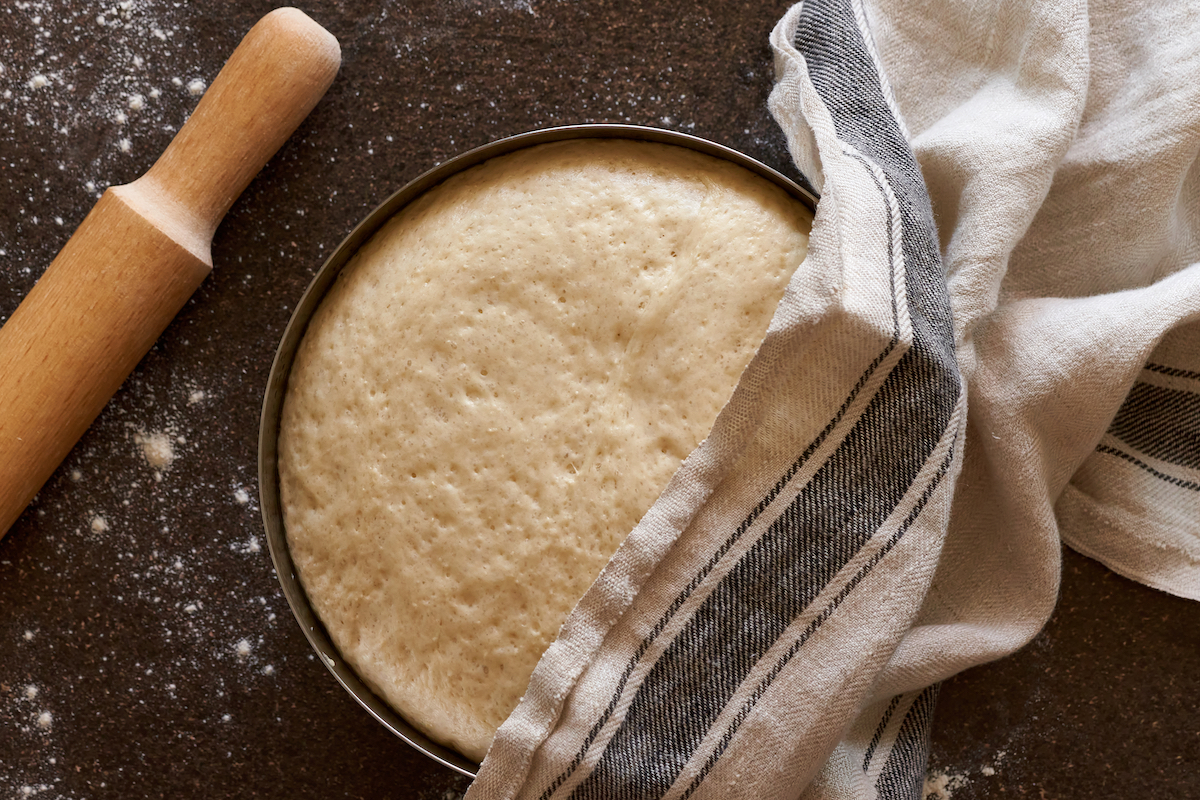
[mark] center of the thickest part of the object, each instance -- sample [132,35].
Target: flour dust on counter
[90,93]
[158,448]
[942,785]
[121,82]
[948,782]
[30,717]
[146,550]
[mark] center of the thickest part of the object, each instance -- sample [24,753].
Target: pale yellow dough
[496,390]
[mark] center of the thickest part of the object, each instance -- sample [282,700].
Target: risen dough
[495,391]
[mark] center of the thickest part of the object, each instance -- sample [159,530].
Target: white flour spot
[242,648]
[29,636]
[31,692]
[156,449]
[125,145]
[45,720]
[268,670]
[196,86]
[942,785]
[99,524]
[241,497]
[197,396]
[137,102]
[38,82]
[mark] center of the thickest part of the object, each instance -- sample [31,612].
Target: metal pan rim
[268,474]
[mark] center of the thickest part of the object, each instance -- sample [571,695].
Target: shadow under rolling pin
[141,252]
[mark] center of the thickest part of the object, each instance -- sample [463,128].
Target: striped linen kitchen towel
[993,346]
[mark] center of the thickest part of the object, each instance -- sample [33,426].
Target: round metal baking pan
[268,474]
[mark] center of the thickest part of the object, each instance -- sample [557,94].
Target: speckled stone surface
[146,649]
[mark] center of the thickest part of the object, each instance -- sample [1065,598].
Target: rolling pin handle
[269,85]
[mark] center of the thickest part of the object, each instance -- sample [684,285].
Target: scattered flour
[196,87]
[45,720]
[157,449]
[240,496]
[242,648]
[988,770]
[99,524]
[31,692]
[942,785]
[61,94]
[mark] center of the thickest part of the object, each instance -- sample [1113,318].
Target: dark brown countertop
[146,649]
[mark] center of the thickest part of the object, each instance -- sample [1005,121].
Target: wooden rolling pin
[143,250]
